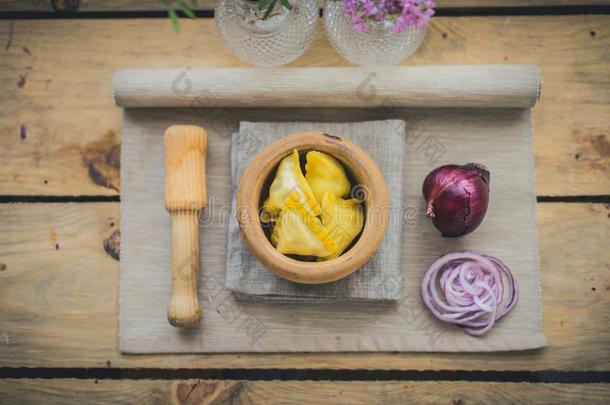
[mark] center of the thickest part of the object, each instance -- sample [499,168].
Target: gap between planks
[560,10]
[265,374]
[27,199]
[155,5]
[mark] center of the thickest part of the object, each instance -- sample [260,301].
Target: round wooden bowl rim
[376,210]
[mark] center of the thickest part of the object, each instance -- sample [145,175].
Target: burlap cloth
[248,278]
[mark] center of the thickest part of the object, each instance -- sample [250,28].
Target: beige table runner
[500,138]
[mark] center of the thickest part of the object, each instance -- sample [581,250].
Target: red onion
[457,197]
[467,289]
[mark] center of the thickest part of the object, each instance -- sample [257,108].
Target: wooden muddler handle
[185,197]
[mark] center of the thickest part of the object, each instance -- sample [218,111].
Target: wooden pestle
[185,197]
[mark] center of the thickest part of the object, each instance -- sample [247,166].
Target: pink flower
[404,13]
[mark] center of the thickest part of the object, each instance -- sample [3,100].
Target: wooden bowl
[362,168]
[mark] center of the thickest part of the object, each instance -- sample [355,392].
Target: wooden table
[59,207]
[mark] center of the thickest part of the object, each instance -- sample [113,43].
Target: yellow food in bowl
[309,214]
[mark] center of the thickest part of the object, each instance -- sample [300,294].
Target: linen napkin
[247,278]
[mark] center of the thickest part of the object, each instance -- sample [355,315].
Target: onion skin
[457,197]
[469,290]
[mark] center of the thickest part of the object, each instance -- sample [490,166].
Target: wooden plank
[59,304]
[70,123]
[71,391]
[148,5]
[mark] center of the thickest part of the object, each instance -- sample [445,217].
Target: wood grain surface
[185,196]
[60,135]
[148,5]
[58,298]
[61,129]
[72,391]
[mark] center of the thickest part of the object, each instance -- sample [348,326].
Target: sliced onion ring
[467,289]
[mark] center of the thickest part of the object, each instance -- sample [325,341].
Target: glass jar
[277,40]
[379,46]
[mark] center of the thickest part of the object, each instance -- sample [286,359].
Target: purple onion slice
[470,290]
